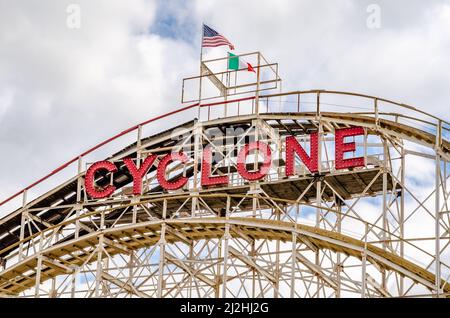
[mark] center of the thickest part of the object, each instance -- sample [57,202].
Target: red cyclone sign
[292,147]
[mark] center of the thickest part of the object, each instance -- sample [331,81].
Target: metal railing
[293,101]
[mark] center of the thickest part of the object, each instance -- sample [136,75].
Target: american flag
[212,39]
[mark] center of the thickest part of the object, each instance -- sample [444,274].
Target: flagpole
[201,46]
[200,79]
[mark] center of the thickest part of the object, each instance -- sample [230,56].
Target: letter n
[293,147]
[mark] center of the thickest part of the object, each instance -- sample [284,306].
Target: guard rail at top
[440,126]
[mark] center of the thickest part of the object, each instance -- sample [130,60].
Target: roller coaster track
[13,280]
[125,233]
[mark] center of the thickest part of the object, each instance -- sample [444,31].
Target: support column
[402,218]
[39,266]
[437,228]
[363,275]
[276,291]
[23,221]
[364,264]
[218,276]
[258,76]
[78,205]
[197,159]
[254,187]
[385,197]
[53,291]
[226,237]
[99,276]
[74,282]
[190,257]
[225,260]
[162,252]
[318,180]
[253,254]
[318,193]
[338,256]
[293,262]
[38,275]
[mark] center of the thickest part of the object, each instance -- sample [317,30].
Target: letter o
[264,149]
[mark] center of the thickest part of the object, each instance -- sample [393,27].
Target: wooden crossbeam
[241,234]
[39,220]
[124,285]
[214,79]
[52,262]
[307,242]
[188,269]
[250,262]
[317,270]
[117,246]
[171,230]
[371,281]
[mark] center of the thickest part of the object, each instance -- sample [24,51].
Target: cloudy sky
[65,87]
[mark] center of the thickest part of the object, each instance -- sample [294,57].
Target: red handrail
[95,148]
[115,137]
[227,101]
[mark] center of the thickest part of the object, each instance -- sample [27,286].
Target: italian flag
[237,63]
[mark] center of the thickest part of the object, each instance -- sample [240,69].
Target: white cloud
[63,90]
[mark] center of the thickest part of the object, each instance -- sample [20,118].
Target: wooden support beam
[188,269]
[338,187]
[317,270]
[39,220]
[172,231]
[371,281]
[361,182]
[249,262]
[214,79]
[117,246]
[85,227]
[124,285]
[303,239]
[52,262]
[241,234]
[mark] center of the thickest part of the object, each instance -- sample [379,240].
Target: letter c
[89,181]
